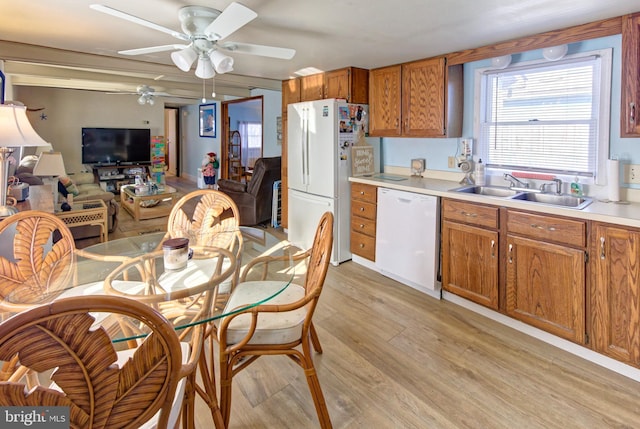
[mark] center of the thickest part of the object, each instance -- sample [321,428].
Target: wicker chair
[40,260]
[279,326]
[101,387]
[209,218]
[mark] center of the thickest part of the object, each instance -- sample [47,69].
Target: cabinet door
[290,93]
[336,84]
[615,293]
[470,263]
[423,98]
[630,109]
[545,286]
[311,87]
[384,101]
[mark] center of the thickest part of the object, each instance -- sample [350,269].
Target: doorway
[172,141]
[243,118]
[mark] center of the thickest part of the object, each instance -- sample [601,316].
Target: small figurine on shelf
[209,166]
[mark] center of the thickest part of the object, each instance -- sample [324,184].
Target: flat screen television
[116,145]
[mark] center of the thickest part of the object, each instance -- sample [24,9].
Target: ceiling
[327,35]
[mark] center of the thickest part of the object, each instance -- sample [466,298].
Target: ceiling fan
[147,94]
[203,29]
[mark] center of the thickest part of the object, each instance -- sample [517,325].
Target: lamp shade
[204,70]
[50,164]
[222,62]
[15,128]
[184,58]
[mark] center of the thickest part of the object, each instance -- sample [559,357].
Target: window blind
[543,117]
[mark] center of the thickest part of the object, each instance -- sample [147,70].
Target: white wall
[66,111]
[272,108]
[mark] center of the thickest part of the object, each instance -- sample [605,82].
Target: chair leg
[226,378]
[316,393]
[314,339]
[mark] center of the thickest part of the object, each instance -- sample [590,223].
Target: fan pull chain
[204,99]
[213,88]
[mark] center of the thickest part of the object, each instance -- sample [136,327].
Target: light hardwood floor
[396,358]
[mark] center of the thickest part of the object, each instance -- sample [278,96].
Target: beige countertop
[627,214]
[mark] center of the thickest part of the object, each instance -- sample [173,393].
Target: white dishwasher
[407,236]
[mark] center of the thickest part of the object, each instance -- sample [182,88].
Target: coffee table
[143,205]
[89,212]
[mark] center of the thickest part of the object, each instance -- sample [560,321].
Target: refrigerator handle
[303,152]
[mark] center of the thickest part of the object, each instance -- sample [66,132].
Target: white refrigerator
[320,135]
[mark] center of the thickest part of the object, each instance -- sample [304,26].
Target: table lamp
[50,165]
[15,131]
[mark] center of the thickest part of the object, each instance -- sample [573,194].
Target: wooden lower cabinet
[470,263]
[615,292]
[363,220]
[470,251]
[545,287]
[546,273]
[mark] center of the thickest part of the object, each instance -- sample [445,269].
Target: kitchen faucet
[514,181]
[558,184]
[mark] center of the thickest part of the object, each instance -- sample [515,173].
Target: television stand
[112,177]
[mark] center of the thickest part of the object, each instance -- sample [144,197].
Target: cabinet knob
[632,113]
[361,192]
[602,254]
[361,225]
[361,209]
[361,245]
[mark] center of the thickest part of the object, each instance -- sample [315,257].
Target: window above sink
[549,117]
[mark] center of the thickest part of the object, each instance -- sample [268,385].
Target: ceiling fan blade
[265,51]
[152,49]
[231,19]
[123,15]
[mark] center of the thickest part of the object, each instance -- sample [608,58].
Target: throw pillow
[70,187]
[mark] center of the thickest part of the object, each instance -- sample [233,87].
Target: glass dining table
[193,298]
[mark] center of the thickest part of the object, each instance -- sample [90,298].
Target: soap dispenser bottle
[479,173]
[576,187]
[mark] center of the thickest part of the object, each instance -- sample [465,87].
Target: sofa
[254,199]
[82,186]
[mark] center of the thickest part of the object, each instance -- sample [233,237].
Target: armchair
[254,199]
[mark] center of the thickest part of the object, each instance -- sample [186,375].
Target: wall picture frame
[208,120]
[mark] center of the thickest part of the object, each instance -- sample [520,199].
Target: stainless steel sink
[493,191]
[562,200]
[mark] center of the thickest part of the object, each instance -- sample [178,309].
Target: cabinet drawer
[363,209]
[363,226]
[363,245]
[547,228]
[362,192]
[470,213]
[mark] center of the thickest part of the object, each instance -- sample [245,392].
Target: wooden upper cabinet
[311,87]
[418,99]
[290,93]
[423,98]
[350,83]
[385,108]
[630,85]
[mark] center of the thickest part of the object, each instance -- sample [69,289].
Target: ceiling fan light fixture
[221,62]
[184,58]
[204,69]
[142,100]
